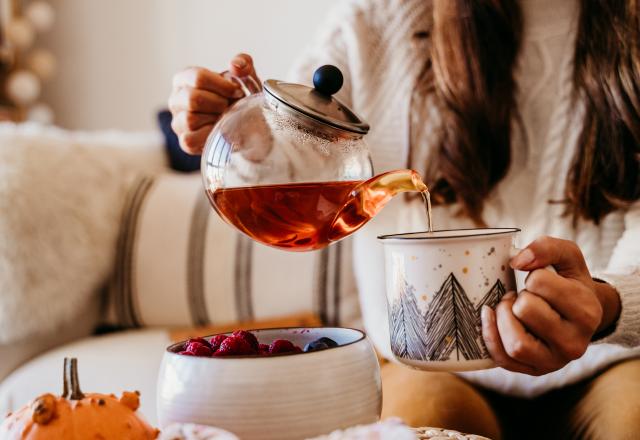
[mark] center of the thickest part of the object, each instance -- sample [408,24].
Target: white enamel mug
[436,284]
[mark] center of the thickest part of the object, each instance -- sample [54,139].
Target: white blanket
[61,197]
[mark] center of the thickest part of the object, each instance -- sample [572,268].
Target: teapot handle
[248,84]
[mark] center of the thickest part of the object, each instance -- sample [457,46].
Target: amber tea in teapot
[308,216]
[294,216]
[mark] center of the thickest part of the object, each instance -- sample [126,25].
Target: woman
[517,113]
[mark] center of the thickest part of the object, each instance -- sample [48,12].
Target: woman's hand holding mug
[200,96]
[552,321]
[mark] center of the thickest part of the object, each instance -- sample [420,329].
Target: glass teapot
[288,165]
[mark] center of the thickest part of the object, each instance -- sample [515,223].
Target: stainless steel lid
[318,102]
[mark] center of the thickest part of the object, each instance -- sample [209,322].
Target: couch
[105,252]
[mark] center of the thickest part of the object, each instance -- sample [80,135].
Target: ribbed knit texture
[374,43]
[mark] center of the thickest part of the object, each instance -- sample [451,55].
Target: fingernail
[240,63]
[523,259]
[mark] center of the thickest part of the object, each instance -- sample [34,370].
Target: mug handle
[522,275]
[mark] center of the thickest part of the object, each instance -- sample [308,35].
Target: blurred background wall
[116,57]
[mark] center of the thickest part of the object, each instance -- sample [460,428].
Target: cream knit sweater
[374,44]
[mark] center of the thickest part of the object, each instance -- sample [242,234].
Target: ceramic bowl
[288,396]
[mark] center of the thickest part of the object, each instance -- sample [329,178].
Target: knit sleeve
[623,273]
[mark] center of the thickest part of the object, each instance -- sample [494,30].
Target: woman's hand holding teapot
[200,96]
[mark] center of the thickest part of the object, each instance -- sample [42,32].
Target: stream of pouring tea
[426,197]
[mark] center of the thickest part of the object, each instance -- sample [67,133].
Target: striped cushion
[179,264]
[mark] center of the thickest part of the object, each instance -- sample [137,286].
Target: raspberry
[263,348]
[216,341]
[234,346]
[186,353]
[247,336]
[199,349]
[282,346]
[200,340]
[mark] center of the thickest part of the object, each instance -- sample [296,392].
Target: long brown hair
[475,44]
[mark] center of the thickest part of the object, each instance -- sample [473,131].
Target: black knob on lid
[328,80]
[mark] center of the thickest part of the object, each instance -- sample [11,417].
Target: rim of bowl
[363,336]
[412,235]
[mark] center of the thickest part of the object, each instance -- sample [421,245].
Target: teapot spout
[368,198]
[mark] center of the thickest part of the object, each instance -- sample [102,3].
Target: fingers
[570,298]
[561,309]
[190,121]
[562,338]
[565,256]
[194,113]
[492,340]
[242,65]
[203,79]
[512,346]
[554,289]
[519,344]
[193,142]
[539,318]
[197,100]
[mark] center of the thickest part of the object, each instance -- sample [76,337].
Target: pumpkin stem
[65,380]
[71,378]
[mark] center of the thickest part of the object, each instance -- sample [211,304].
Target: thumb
[564,255]
[242,65]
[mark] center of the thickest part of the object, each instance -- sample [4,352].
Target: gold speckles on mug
[491,251]
[502,268]
[465,269]
[414,258]
[467,252]
[424,297]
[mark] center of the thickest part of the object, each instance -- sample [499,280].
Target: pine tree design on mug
[408,337]
[450,323]
[492,298]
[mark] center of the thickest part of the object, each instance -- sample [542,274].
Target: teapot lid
[318,102]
